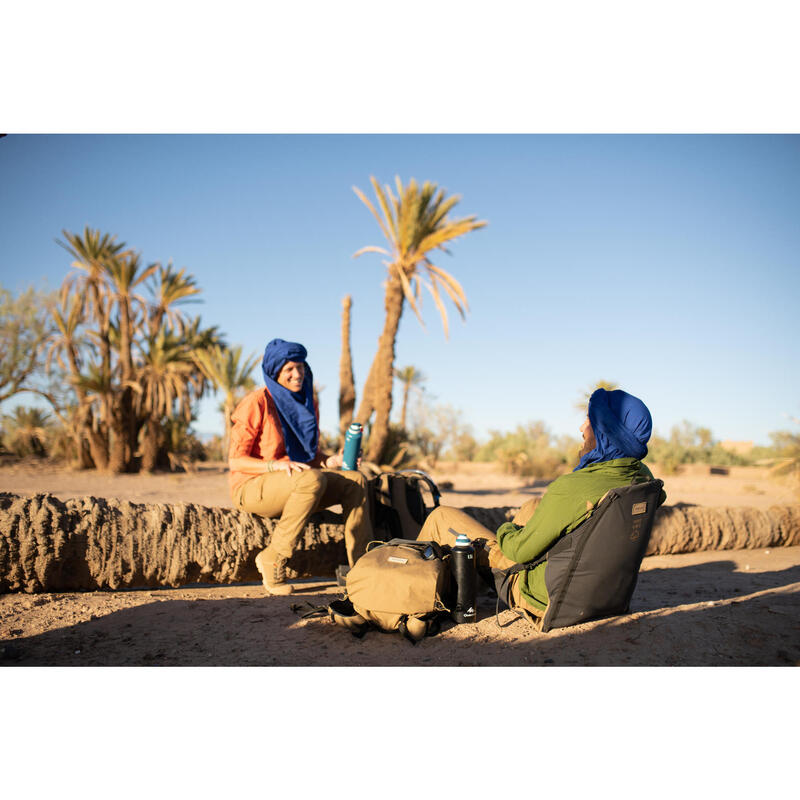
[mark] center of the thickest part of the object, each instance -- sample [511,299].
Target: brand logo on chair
[636,529]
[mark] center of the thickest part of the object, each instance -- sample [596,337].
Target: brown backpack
[398,585]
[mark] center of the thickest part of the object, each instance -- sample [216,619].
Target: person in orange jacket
[278,470]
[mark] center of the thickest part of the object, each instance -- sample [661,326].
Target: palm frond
[407,290]
[431,287]
[361,196]
[450,284]
[370,249]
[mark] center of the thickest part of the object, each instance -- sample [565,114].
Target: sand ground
[697,609]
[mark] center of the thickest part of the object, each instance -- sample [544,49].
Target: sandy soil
[472,485]
[713,608]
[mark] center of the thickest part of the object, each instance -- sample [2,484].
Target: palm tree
[167,381]
[92,252]
[414,223]
[230,375]
[347,386]
[409,377]
[124,274]
[65,346]
[172,288]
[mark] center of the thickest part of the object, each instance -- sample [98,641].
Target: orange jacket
[257,433]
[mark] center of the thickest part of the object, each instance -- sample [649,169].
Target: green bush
[530,451]
[688,444]
[26,431]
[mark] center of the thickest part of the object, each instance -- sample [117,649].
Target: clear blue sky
[668,264]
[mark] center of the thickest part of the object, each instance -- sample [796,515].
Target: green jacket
[569,500]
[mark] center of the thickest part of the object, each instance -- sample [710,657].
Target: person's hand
[293,466]
[334,462]
[337,461]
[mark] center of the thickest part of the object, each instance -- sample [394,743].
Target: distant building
[740,448]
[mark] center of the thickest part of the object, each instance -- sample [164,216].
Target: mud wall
[686,528]
[50,545]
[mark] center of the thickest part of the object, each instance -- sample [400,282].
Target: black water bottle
[462,565]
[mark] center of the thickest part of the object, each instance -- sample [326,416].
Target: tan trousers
[295,498]
[437,528]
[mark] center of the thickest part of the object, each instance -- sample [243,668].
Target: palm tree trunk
[406,390]
[367,405]
[98,444]
[84,454]
[228,410]
[102,314]
[129,429]
[150,445]
[383,370]
[118,450]
[347,386]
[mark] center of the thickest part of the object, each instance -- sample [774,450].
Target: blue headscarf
[622,425]
[295,409]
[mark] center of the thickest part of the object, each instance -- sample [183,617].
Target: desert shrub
[61,445]
[786,447]
[436,429]
[405,449]
[178,444]
[432,431]
[330,442]
[464,448]
[688,444]
[214,449]
[26,430]
[530,450]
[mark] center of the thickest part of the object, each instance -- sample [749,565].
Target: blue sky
[667,263]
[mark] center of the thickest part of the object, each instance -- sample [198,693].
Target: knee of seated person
[355,477]
[311,479]
[435,515]
[357,488]
[431,523]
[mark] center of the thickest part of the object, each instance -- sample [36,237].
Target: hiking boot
[273,572]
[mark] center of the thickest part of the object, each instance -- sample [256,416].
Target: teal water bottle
[352,446]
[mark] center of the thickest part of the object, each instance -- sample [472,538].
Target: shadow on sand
[724,621]
[533,488]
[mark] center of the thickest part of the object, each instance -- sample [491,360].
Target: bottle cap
[462,540]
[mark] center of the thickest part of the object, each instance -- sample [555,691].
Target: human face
[589,442]
[291,375]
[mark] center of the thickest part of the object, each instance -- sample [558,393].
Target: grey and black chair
[592,571]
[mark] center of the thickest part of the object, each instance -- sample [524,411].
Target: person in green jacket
[615,435]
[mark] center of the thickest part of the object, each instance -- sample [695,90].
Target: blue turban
[622,426]
[295,409]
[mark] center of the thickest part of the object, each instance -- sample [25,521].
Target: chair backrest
[592,571]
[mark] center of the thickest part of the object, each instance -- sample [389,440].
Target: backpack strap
[402,626]
[423,476]
[433,625]
[314,611]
